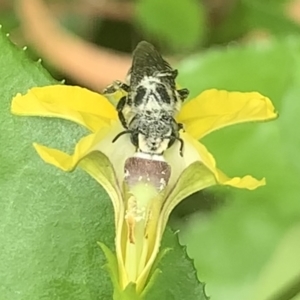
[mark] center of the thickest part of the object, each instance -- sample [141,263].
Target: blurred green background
[245,245]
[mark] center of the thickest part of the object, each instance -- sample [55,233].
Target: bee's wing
[148,62]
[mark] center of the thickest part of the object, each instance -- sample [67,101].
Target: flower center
[144,184]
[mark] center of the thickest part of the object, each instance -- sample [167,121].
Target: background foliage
[244,244]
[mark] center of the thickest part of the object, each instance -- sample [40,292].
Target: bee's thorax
[152,101]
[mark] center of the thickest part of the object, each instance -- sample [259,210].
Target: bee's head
[152,138]
[153,145]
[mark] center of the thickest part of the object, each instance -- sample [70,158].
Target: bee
[147,111]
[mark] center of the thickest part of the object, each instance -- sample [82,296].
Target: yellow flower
[143,191]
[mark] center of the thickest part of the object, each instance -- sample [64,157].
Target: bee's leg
[181,146]
[183,94]
[174,73]
[177,126]
[121,85]
[180,126]
[122,119]
[115,86]
[120,107]
[120,134]
[175,136]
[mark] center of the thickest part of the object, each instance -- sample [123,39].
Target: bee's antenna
[120,134]
[180,140]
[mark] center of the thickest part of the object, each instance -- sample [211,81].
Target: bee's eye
[134,138]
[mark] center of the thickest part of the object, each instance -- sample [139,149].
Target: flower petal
[100,158]
[194,178]
[246,182]
[97,165]
[73,103]
[214,109]
[68,162]
[88,158]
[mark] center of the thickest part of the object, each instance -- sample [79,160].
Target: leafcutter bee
[148,110]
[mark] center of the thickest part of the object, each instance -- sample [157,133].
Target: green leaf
[183,279]
[51,221]
[241,235]
[280,278]
[265,67]
[289,120]
[244,16]
[180,23]
[269,15]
